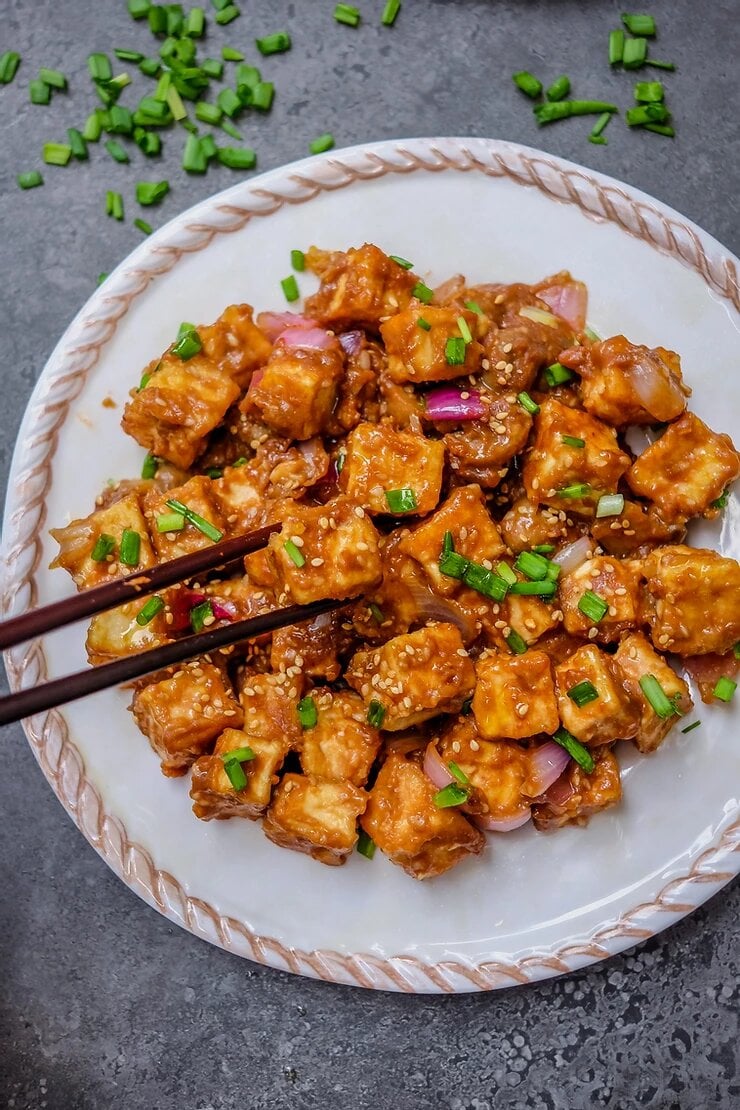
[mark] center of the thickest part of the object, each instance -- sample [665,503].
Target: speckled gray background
[104,1004]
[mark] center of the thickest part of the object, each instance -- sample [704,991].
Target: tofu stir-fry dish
[454,465]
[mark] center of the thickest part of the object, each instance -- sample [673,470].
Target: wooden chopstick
[120,590]
[79,685]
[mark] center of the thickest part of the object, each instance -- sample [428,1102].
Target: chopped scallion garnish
[532,566]
[188,343]
[474,307]
[462,324]
[376,714]
[593,606]
[235,159]
[100,67]
[151,192]
[516,643]
[104,546]
[170,522]
[57,154]
[130,547]
[634,53]
[422,293]
[227,14]
[376,612]
[573,441]
[30,179]
[229,54]
[149,611]
[663,706]
[646,113]
[290,289]
[194,156]
[527,403]
[452,795]
[365,845]
[263,95]
[611,504]
[235,772]
[583,693]
[556,374]
[504,571]
[575,749]
[390,11]
[114,205]
[649,92]
[616,47]
[346,13]
[544,549]
[448,543]
[725,688]
[565,109]
[639,24]
[401,500]
[322,144]
[559,88]
[116,151]
[691,727]
[9,63]
[204,526]
[455,351]
[402,262]
[528,83]
[277,43]
[150,466]
[577,490]
[201,616]
[308,714]
[660,129]
[423,324]
[294,553]
[298,261]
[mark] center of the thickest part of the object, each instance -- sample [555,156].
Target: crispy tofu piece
[695,600]
[499,770]
[518,346]
[482,450]
[380,459]
[582,794]
[527,524]
[474,533]
[270,705]
[515,696]
[116,633]
[179,405]
[339,548]
[296,391]
[638,528]
[414,676]
[316,816]
[341,745]
[311,646]
[211,789]
[260,568]
[196,494]
[686,469]
[182,715]
[618,582]
[240,496]
[416,354]
[531,617]
[552,465]
[78,539]
[235,344]
[361,286]
[624,383]
[634,659]
[613,715]
[414,833]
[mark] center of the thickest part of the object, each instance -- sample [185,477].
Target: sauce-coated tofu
[613,715]
[78,539]
[499,770]
[527,524]
[180,404]
[414,833]
[520,346]
[311,645]
[638,528]
[341,745]
[482,450]
[616,582]
[380,459]
[213,793]
[686,469]
[414,676]
[296,391]
[196,494]
[339,548]
[515,696]
[416,354]
[116,633]
[634,659]
[270,705]
[182,715]
[316,816]
[553,465]
[531,617]
[361,285]
[695,597]
[584,794]
[235,343]
[240,496]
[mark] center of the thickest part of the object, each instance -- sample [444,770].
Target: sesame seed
[474,745]
[593,633]
[456,746]
[620,591]
[359,511]
[535,483]
[361,546]
[485,363]
[297,541]
[324,521]
[501,364]
[317,562]
[530,624]
[507,347]
[499,298]
[522,709]
[462,653]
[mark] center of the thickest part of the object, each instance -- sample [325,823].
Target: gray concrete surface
[104,1004]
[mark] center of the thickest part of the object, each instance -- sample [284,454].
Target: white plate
[535,905]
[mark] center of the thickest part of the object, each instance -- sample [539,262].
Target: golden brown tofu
[482,450]
[179,405]
[196,494]
[624,383]
[311,645]
[183,714]
[240,496]
[77,542]
[612,715]
[474,535]
[414,676]
[336,546]
[380,459]
[316,816]
[617,583]
[638,528]
[515,696]
[414,833]
[270,704]
[695,600]
[526,337]
[235,344]
[526,525]
[554,466]
[417,354]
[499,770]
[358,389]
[213,793]
[636,659]
[341,745]
[581,794]
[686,469]
[116,632]
[361,286]
[296,391]
[531,617]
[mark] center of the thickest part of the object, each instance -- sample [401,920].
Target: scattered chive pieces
[204,526]
[128,551]
[474,307]
[236,159]
[148,141]
[724,689]
[129,55]
[516,643]
[455,351]
[462,324]
[30,179]
[101,278]
[77,144]
[262,96]
[448,543]
[583,693]
[93,128]
[99,67]
[57,154]
[691,727]
[616,47]
[593,606]
[150,67]
[639,24]
[534,589]
[194,156]
[598,127]
[151,192]
[528,404]
[660,129]
[578,489]
[298,260]
[39,92]
[575,749]
[294,553]
[273,44]
[573,441]
[53,77]
[531,565]
[199,616]
[736,650]
[402,262]
[208,113]
[401,500]
[458,773]
[452,795]
[660,65]
[114,205]
[528,83]
[307,712]
[188,344]
[229,54]
[248,75]
[104,546]
[138,9]
[322,144]
[142,225]
[345,13]
[116,151]
[227,14]
[120,120]
[424,324]
[646,113]
[664,706]
[170,522]
[565,109]
[376,612]
[559,88]
[289,286]
[504,571]
[483,581]
[150,466]
[234,770]
[229,102]
[365,845]
[555,374]
[214,472]
[376,714]
[634,53]
[649,92]
[422,293]
[175,104]
[544,549]
[195,23]
[149,611]
[611,504]
[9,63]
[390,11]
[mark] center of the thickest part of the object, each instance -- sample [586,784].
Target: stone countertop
[105,1004]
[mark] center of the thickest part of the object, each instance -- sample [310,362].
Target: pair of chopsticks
[132,586]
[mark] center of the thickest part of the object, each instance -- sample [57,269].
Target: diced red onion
[448,403]
[501,824]
[546,765]
[224,610]
[274,324]
[573,555]
[435,768]
[568,301]
[658,390]
[539,315]
[255,380]
[449,289]
[431,607]
[351,341]
[316,339]
[561,791]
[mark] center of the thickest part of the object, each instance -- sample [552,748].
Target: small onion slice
[224,610]
[435,768]
[539,315]
[448,403]
[431,607]
[502,824]
[274,324]
[315,339]
[568,300]
[351,342]
[573,555]
[546,765]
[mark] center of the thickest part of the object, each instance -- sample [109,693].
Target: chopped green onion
[345,13]
[93,128]
[149,611]
[639,24]
[725,688]
[229,102]
[114,205]
[148,141]
[402,262]
[390,11]
[236,159]
[53,77]
[199,616]
[482,580]
[691,727]
[150,466]
[458,773]
[452,795]
[193,156]
[289,286]
[556,374]
[649,92]
[534,589]
[592,335]
[474,307]
[453,565]
[504,571]
[129,55]
[100,67]
[170,522]
[423,324]
[527,403]
[138,8]
[455,351]
[376,612]
[195,23]
[298,261]
[559,88]
[151,192]
[322,144]
[120,121]
[593,606]
[249,76]
[57,154]
[77,144]
[578,489]
[583,693]
[660,129]
[234,771]
[736,650]
[616,47]
[646,113]
[262,96]
[308,714]
[227,14]
[104,546]
[598,127]
[528,83]
[150,67]
[464,329]
[30,179]
[101,278]
[532,566]
[611,504]
[204,526]
[239,462]
[273,44]
[565,109]
[422,293]
[401,500]
[130,547]
[635,53]
[39,92]
[175,104]
[573,441]
[721,501]
[553,572]
[544,549]
[575,749]
[365,845]
[660,65]
[294,553]
[516,643]
[229,54]
[188,344]
[142,225]
[208,113]
[376,714]
[467,706]
[238,755]
[9,63]
[448,543]
[153,110]
[214,472]
[116,151]
[663,706]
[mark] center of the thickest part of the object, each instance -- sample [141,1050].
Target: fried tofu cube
[528,336]
[624,383]
[553,466]
[178,406]
[183,715]
[474,534]
[196,494]
[410,829]
[270,705]
[316,816]
[361,286]
[695,600]
[637,529]
[590,793]
[635,658]
[686,469]
[235,344]
[341,745]
[214,794]
[417,354]
[116,633]
[527,524]
[618,583]
[482,450]
[515,696]
[414,676]
[296,391]
[499,770]
[380,459]
[77,542]
[326,551]
[311,646]
[531,617]
[613,715]
[240,496]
